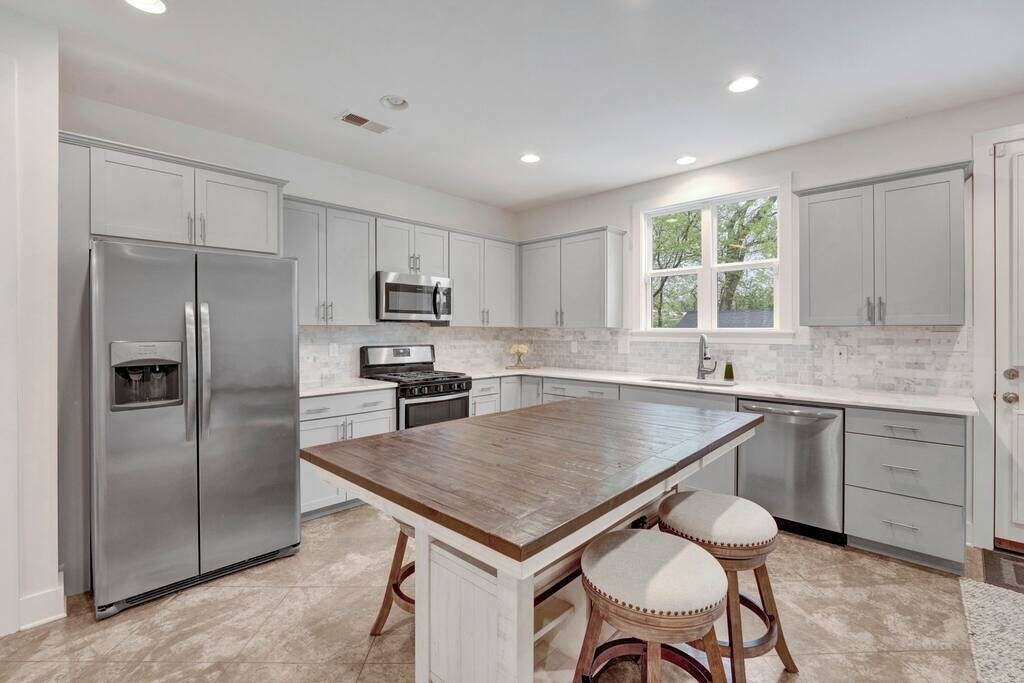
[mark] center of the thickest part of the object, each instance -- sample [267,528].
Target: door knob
[1011,397]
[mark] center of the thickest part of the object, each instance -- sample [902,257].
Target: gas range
[425,395]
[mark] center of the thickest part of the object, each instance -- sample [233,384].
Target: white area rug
[995,620]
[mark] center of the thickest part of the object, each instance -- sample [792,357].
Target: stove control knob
[415,391]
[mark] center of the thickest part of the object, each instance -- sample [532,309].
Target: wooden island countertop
[522,480]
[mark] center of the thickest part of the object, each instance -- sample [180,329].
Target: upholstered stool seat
[717,519]
[658,589]
[739,534]
[393,593]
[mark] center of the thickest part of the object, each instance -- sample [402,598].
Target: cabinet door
[431,251]
[511,393]
[467,272]
[303,240]
[236,213]
[394,246]
[584,269]
[368,424]
[349,260]
[314,492]
[485,405]
[142,198]
[531,393]
[919,250]
[500,284]
[837,258]
[541,283]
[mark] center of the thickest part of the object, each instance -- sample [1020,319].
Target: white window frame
[638,311]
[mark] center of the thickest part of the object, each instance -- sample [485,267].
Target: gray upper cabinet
[837,258]
[467,273]
[407,248]
[236,213]
[336,255]
[888,253]
[541,284]
[431,251]
[500,284]
[919,250]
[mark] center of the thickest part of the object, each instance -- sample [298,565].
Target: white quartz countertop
[350,385]
[938,404]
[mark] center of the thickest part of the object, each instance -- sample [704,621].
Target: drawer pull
[899,467]
[368,404]
[906,427]
[558,388]
[313,411]
[900,524]
[595,393]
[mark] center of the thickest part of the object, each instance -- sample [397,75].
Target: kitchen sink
[694,382]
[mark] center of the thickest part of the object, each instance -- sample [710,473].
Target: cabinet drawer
[911,468]
[923,526]
[576,389]
[486,387]
[913,426]
[317,407]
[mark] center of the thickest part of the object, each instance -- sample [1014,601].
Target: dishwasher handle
[771,410]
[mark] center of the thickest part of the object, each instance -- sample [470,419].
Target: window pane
[675,238]
[746,298]
[748,230]
[674,301]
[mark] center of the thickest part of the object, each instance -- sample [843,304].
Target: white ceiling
[608,92]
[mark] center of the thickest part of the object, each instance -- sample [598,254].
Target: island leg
[422,575]
[515,628]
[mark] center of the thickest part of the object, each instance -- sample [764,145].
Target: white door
[467,273]
[395,241]
[236,212]
[1009,472]
[431,251]
[314,492]
[368,424]
[349,265]
[485,405]
[541,284]
[142,198]
[584,269]
[500,284]
[303,240]
[532,393]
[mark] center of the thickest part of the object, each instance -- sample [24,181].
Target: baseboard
[330,509]
[911,556]
[43,607]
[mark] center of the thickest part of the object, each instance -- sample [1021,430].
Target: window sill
[737,336]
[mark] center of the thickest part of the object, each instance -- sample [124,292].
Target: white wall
[30,584]
[307,177]
[919,142]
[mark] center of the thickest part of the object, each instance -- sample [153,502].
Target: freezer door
[248,407]
[144,469]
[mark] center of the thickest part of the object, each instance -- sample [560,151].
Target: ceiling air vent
[363,122]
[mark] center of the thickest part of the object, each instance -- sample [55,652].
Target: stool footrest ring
[635,648]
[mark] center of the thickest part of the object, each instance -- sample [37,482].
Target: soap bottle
[728,376]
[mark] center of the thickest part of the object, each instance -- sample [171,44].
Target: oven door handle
[434,399]
[437,300]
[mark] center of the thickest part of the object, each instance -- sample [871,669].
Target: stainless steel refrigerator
[195,417]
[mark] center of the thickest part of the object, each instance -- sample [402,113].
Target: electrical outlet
[840,354]
[574,346]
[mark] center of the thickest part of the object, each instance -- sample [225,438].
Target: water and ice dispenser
[145,374]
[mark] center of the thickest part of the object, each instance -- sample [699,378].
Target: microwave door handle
[437,300]
[206,356]
[190,371]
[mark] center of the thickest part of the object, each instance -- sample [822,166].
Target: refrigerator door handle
[206,350]
[190,371]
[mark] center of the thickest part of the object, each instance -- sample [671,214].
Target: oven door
[405,297]
[416,412]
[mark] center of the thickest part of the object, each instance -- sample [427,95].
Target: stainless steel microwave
[408,297]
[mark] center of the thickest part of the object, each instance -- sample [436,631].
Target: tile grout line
[270,613]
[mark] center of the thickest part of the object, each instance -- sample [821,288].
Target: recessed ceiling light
[396,102]
[149,6]
[529,158]
[744,83]
[686,161]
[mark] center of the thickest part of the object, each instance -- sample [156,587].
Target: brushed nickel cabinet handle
[901,525]
[314,411]
[899,467]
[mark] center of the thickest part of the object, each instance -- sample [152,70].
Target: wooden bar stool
[739,534]
[657,589]
[393,594]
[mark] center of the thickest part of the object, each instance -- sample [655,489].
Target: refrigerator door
[248,409]
[144,468]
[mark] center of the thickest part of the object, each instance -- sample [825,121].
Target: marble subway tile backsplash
[926,360]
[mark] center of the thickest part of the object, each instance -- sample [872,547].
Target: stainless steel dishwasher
[793,465]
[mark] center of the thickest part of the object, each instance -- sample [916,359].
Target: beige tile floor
[849,616]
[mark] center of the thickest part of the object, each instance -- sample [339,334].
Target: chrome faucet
[704,355]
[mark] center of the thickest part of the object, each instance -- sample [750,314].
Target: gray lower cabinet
[884,253]
[485,397]
[905,482]
[531,392]
[511,392]
[718,476]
